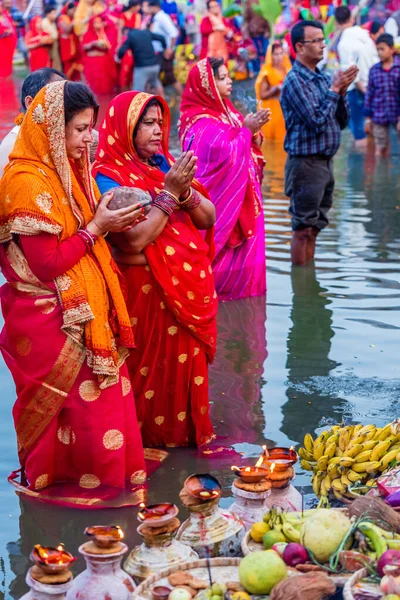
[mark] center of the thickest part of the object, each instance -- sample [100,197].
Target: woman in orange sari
[268,90]
[70,48]
[67,332]
[172,301]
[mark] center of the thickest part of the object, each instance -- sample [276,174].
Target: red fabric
[39,58]
[48,258]
[201,99]
[99,64]
[174,300]
[8,43]
[70,49]
[125,75]
[206,29]
[93,440]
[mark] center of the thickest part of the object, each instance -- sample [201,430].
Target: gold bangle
[172,195]
[186,200]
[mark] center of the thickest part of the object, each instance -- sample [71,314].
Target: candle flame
[235,468]
[247,470]
[291,449]
[60,547]
[44,554]
[260,461]
[272,469]
[142,505]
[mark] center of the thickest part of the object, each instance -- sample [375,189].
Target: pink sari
[230,167]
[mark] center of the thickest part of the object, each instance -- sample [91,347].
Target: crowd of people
[116,254]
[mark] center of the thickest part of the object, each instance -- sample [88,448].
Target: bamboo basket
[352,582]
[222,570]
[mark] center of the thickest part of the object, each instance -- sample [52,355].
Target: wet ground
[322,346]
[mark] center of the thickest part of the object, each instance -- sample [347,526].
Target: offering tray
[354,581]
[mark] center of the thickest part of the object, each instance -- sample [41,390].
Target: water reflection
[308,348]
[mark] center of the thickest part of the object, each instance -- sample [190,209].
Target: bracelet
[193,201]
[87,237]
[186,200]
[166,202]
[171,195]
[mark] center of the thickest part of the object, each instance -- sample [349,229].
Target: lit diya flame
[105,536]
[204,486]
[252,474]
[156,511]
[272,468]
[52,559]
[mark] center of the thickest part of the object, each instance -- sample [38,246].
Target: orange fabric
[84,12]
[275,128]
[40,193]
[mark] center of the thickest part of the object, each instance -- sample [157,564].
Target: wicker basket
[350,585]
[222,570]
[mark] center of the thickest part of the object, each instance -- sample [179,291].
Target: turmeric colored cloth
[65,340]
[172,302]
[275,128]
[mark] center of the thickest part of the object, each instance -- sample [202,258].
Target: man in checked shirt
[315,110]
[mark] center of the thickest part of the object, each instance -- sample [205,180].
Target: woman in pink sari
[8,42]
[230,166]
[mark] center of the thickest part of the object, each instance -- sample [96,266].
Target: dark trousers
[309,184]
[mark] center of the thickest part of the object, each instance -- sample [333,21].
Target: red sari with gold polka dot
[172,301]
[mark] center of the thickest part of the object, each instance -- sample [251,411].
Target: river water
[321,346]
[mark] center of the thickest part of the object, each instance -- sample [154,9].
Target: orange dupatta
[39,192]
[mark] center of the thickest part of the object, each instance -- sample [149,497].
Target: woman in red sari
[166,262]
[8,42]
[66,327]
[38,43]
[99,45]
[70,47]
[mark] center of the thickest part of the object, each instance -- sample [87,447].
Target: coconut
[323,532]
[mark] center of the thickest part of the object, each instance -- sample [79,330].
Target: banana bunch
[344,455]
[288,523]
[378,539]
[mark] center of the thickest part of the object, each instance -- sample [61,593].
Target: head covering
[117,158]
[268,69]
[83,13]
[201,98]
[40,192]
[33,25]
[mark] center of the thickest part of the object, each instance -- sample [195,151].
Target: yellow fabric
[39,192]
[84,12]
[275,128]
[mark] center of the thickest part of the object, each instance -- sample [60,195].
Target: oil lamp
[252,474]
[159,549]
[103,576]
[204,487]
[251,490]
[105,537]
[50,577]
[156,515]
[283,458]
[51,560]
[280,462]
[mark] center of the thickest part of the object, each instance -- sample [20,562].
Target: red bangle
[87,237]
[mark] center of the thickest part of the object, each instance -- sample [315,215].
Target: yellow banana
[363,456]
[291,533]
[330,450]
[322,463]
[361,467]
[321,438]
[332,471]
[356,440]
[370,445]
[346,461]
[342,469]
[344,439]
[356,429]
[371,482]
[303,453]
[387,459]
[316,482]
[319,450]
[377,433]
[309,443]
[338,451]
[366,429]
[338,485]
[338,495]
[325,486]
[386,431]
[352,451]
[369,435]
[395,446]
[354,477]
[345,480]
[380,450]
[306,464]
[372,467]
